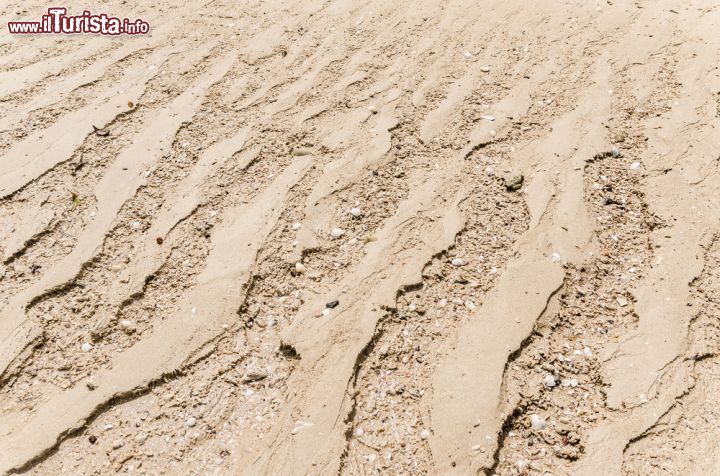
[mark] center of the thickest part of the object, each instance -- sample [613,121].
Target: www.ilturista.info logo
[57,21]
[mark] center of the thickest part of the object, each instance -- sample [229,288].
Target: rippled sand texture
[318,237]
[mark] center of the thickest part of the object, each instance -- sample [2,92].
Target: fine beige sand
[381,237]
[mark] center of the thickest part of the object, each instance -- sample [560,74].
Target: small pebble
[332,304]
[356,212]
[615,152]
[191,422]
[556,258]
[336,232]
[117,444]
[467,55]
[622,302]
[537,423]
[488,118]
[425,434]
[86,347]
[489,171]
[458,262]
[485,69]
[254,375]
[299,267]
[550,381]
[587,352]
[296,226]
[635,166]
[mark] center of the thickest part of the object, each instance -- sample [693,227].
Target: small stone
[467,55]
[550,381]
[296,226]
[117,444]
[537,422]
[191,422]
[86,347]
[91,385]
[356,212]
[332,304]
[587,352]
[488,118]
[489,171]
[425,434]
[92,439]
[458,262]
[615,152]
[299,426]
[359,432]
[127,325]
[301,151]
[622,302]
[476,448]
[485,69]
[336,232]
[135,225]
[141,438]
[514,183]
[253,375]
[635,166]
[556,258]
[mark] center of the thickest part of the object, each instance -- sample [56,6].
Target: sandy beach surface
[380,237]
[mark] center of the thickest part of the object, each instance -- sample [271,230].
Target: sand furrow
[324,236]
[117,185]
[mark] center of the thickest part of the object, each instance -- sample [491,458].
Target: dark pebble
[332,304]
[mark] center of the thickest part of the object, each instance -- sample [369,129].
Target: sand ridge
[316,237]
